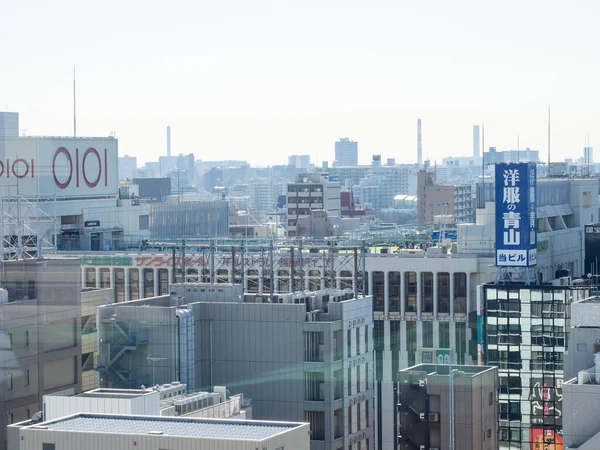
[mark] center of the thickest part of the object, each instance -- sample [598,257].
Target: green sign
[106,260]
[434,356]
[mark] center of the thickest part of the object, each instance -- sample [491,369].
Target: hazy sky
[259,80]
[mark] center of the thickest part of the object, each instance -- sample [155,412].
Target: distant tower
[346,153]
[475,141]
[419,144]
[169,140]
[588,155]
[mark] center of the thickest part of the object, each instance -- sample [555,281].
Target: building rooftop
[167,426]
[442,369]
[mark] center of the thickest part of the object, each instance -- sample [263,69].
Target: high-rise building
[442,199]
[476,141]
[127,167]
[346,152]
[442,406]
[9,124]
[299,161]
[588,156]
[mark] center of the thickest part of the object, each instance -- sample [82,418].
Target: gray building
[305,356]
[448,407]
[190,219]
[581,390]
[40,328]
[9,124]
[346,153]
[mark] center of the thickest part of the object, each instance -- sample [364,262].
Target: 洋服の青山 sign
[59,166]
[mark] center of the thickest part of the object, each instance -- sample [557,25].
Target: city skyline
[260,82]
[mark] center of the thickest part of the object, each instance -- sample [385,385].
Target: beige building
[442,199]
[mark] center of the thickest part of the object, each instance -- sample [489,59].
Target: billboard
[65,167]
[516,215]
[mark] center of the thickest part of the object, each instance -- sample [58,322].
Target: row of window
[10,379]
[427,289]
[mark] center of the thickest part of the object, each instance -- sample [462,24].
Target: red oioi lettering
[19,168]
[91,174]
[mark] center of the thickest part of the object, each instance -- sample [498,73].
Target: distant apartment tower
[9,124]
[475,141]
[299,161]
[346,152]
[127,167]
[311,192]
[443,406]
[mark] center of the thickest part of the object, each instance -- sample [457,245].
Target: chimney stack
[419,144]
[475,141]
[169,140]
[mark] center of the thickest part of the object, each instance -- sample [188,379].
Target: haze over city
[261,80]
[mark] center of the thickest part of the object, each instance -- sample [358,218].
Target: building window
[394,281]
[427,331]
[460,293]
[9,380]
[26,377]
[411,341]
[134,284]
[31,291]
[8,339]
[491,399]
[26,338]
[120,285]
[144,222]
[427,292]
[104,278]
[410,291]
[48,447]
[378,291]
[443,282]
[148,283]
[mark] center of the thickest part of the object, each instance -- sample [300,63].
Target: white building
[106,431]
[9,124]
[299,161]
[346,153]
[127,167]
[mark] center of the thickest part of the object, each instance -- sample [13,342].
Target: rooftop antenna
[548,138]
[74,105]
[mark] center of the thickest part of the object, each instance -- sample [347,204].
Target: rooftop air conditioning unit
[433,417]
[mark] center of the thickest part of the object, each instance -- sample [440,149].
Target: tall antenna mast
[548,138]
[482,152]
[74,106]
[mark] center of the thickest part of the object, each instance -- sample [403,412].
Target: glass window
[222,276]
[378,291]
[148,283]
[283,281]
[443,292]
[119,285]
[252,276]
[314,283]
[427,292]
[134,284]
[410,291]
[346,279]
[394,281]
[104,278]
[444,335]
[460,293]
[427,334]
[163,281]
[411,341]
[192,275]
[90,277]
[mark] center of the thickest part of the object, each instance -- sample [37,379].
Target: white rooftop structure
[102,431]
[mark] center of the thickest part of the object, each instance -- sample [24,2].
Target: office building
[103,431]
[303,356]
[442,407]
[311,192]
[127,167]
[346,153]
[40,326]
[581,389]
[525,337]
[452,201]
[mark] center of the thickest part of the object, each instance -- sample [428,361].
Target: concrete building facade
[40,327]
[346,153]
[443,407]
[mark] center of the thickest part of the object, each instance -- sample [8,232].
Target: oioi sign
[65,167]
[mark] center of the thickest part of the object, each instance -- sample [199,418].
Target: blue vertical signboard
[516,215]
